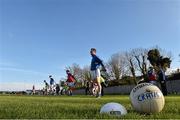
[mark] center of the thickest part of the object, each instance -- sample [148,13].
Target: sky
[42,37]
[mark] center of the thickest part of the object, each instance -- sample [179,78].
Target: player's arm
[73,77]
[101,62]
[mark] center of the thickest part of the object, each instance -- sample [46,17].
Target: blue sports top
[96,62]
[162,76]
[51,81]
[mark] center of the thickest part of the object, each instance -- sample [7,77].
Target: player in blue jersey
[52,84]
[96,62]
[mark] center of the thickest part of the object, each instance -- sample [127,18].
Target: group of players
[54,89]
[69,85]
[95,86]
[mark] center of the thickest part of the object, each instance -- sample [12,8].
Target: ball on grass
[147,98]
[113,109]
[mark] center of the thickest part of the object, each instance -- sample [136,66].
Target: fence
[173,86]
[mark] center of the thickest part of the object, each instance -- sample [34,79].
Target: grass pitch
[77,107]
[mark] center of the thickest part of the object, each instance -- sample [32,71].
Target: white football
[113,109]
[147,98]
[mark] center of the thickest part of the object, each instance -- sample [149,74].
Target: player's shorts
[96,74]
[70,84]
[52,86]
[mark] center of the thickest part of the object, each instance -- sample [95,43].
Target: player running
[46,87]
[52,84]
[70,82]
[95,70]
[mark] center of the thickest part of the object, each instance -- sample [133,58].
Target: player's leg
[70,91]
[50,89]
[99,88]
[102,90]
[70,84]
[93,77]
[98,81]
[164,89]
[71,88]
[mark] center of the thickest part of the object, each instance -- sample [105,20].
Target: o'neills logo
[115,112]
[140,86]
[148,96]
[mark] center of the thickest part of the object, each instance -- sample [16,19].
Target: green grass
[84,107]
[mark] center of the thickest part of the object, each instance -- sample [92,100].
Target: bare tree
[130,64]
[140,55]
[86,73]
[115,66]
